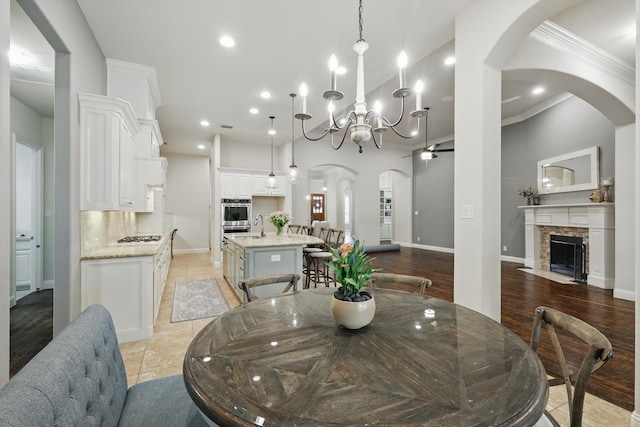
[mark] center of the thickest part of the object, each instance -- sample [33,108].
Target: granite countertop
[126,250]
[253,240]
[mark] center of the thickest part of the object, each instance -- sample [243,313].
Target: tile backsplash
[101,228]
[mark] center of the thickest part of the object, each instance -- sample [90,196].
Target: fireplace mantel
[597,218]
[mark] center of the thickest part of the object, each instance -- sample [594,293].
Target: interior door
[28,193]
[317,207]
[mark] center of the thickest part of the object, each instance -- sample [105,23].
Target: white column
[477,172]
[624,198]
[214,220]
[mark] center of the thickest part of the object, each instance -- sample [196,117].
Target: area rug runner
[197,299]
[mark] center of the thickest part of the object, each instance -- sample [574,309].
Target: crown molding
[560,38]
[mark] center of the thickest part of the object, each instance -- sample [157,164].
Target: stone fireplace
[593,223]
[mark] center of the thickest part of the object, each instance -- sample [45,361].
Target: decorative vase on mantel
[353,314]
[278,230]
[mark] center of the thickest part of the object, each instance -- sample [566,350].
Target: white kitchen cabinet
[125,287]
[129,287]
[107,152]
[162,262]
[152,174]
[151,169]
[260,186]
[235,186]
[149,140]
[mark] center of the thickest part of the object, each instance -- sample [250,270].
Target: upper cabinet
[236,186]
[151,168]
[107,149]
[136,83]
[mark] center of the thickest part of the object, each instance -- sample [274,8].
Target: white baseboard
[190,251]
[511,259]
[635,419]
[426,247]
[624,294]
[48,284]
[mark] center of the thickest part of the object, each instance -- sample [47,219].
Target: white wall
[366,168]
[188,199]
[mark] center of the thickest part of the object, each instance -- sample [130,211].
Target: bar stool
[317,269]
[307,250]
[295,228]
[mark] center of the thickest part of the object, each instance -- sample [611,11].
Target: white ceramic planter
[353,315]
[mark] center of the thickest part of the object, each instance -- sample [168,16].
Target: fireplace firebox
[567,257]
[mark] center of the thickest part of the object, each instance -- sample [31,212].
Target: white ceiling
[282,43]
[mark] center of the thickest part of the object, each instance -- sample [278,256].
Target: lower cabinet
[130,288]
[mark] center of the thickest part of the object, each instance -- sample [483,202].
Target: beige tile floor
[162,355]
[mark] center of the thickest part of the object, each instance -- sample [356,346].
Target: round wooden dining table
[283,361]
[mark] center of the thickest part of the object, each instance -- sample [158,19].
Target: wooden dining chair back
[248,285]
[404,280]
[306,230]
[598,353]
[295,228]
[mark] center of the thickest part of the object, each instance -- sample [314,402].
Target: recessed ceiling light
[227,41]
[414,132]
[204,123]
[253,110]
[272,131]
[265,94]
[450,60]
[341,70]
[537,90]
[201,147]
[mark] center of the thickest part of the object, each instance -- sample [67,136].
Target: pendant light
[294,176]
[271,179]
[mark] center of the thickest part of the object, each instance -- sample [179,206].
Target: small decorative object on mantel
[352,308]
[596,197]
[606,184]
[279,219]
[528,193]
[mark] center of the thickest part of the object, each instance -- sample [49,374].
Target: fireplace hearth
[567,256]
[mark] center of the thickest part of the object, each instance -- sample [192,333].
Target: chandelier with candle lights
[362,124]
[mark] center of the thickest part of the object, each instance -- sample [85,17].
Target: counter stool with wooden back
[307,250]
[295,228]
[317,269]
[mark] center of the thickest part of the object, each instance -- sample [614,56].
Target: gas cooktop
[140,239]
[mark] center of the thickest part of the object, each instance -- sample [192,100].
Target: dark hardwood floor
[522,293]
[31,328]
[31,319]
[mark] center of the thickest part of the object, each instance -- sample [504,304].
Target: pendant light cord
[360,21]
[293,154]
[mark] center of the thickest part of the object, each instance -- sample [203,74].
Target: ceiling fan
[429,152]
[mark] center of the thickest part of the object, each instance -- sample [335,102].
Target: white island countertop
[253,240]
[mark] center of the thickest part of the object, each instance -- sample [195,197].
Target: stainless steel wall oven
[236,215]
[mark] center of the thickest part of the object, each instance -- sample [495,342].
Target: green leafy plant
[352,267]
[279,218]
[526,192]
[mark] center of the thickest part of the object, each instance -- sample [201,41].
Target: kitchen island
[249,255]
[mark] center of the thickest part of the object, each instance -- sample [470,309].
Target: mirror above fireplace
[574,171]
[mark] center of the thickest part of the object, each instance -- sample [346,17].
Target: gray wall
[569,126]
[433,199]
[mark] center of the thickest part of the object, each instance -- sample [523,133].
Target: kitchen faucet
[261,224]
